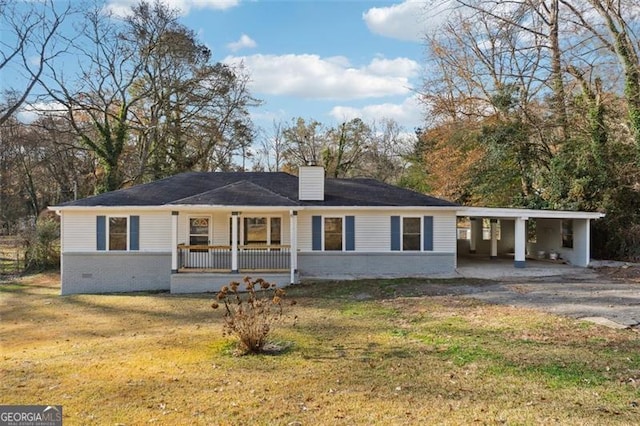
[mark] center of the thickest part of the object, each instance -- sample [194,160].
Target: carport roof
[512,213]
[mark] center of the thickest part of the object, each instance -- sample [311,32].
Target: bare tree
[304,143]
[193,112]
[272,147]
[613,28]
[99,99]
[31,39]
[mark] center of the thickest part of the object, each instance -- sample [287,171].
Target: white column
[234,242]
[587,242]
[520,244]
[581,253]
[293,232]
[494,238]
[174,242]
[474,233]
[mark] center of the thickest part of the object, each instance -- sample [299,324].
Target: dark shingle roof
[257,189]
[241,193]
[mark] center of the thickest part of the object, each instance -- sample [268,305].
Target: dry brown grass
[11,255]
[161,359]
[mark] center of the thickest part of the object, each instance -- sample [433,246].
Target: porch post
[494,238]
[293,232]
[473,230]
[520,242]
[234,242]
[174,242]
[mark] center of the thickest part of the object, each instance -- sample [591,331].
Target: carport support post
[520,244]
[234,242]
[473,230]
[174,242]
[494,238]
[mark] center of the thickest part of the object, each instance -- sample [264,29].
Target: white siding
[373,232]
[79,231]
[304,231]
[373,229]
[155,232]
[311,183]
[444,231]
[221,229]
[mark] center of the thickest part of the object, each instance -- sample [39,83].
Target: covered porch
[213,247]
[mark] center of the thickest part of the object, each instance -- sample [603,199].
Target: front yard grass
[367,352]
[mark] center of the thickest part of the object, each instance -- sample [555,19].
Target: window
[275,233]
[333,234]
[118,233]
[411,233]
[255,231]
[567,233]
[258,231]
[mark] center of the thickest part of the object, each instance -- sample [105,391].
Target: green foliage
[416,175]
[41,246]
[251,316]
[507,174]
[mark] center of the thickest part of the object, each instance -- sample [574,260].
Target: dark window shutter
[134,233]
[428,233]
[316,233]
[350,233]
[395,233]
[101,233]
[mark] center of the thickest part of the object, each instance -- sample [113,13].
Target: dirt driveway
[608,295]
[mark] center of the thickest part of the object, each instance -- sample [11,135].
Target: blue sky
[330,60]
[326,60]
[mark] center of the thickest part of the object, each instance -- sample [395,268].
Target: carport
[526,234]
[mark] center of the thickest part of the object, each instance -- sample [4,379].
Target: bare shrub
[251,315]
[41,245]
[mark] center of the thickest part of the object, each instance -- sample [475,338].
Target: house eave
[200,207]
[512,213]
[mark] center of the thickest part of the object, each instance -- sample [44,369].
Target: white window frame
[420,241]
[241,229]
[108,231]
[344,238]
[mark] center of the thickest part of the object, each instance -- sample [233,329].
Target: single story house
[197,231]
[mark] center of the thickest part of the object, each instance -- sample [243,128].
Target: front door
[199,236]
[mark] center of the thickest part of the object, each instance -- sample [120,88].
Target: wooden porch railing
[251,258]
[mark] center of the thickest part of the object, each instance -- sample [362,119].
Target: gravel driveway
[575,292]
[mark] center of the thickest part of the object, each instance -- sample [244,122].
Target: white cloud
[313,77]
[394,67]
[123,7]
[31,112]
[408,113]
[409,20]
[245,42]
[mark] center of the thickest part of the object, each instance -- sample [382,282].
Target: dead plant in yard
[251,315]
